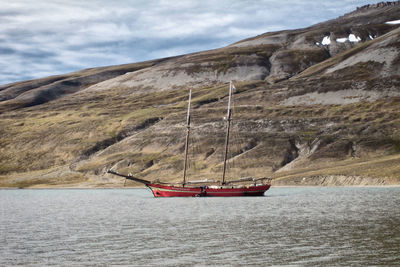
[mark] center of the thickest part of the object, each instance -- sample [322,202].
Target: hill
[314,106]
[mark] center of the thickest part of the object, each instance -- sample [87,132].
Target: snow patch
[353,38]
[370,37]
[393,22]
[341,40]
[326,40]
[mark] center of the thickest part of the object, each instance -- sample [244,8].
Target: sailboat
[247,186]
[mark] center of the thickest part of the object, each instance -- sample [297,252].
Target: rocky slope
[319,105]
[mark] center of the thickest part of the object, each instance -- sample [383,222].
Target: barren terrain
[305,113]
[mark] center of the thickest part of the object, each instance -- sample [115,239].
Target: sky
[49,37]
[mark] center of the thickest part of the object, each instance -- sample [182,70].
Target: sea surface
[303,226]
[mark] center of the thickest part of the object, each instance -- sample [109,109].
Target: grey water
[287,227]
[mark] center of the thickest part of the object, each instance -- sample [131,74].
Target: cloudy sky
[47,37]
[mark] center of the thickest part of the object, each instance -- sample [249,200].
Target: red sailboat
[247,186]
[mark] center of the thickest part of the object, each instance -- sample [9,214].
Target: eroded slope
[305,112]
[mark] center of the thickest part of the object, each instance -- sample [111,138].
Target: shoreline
[140,187]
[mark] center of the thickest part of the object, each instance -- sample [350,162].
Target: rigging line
[229,157]
[228,117]
[187,137]
[235,140]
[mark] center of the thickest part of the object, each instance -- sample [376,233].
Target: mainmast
[228,121]
[187,138]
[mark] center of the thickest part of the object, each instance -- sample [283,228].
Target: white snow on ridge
[353,38]
[393,22]
[341,40]
[326,40]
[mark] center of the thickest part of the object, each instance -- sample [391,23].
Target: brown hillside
[304,112]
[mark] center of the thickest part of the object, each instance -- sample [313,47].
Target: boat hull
[180,191]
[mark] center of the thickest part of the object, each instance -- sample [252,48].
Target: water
[289,226]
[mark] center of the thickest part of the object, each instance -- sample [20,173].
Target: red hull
[179,191]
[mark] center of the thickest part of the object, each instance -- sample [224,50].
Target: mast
[228,118]
[187,138]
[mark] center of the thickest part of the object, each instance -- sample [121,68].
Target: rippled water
[289,226]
